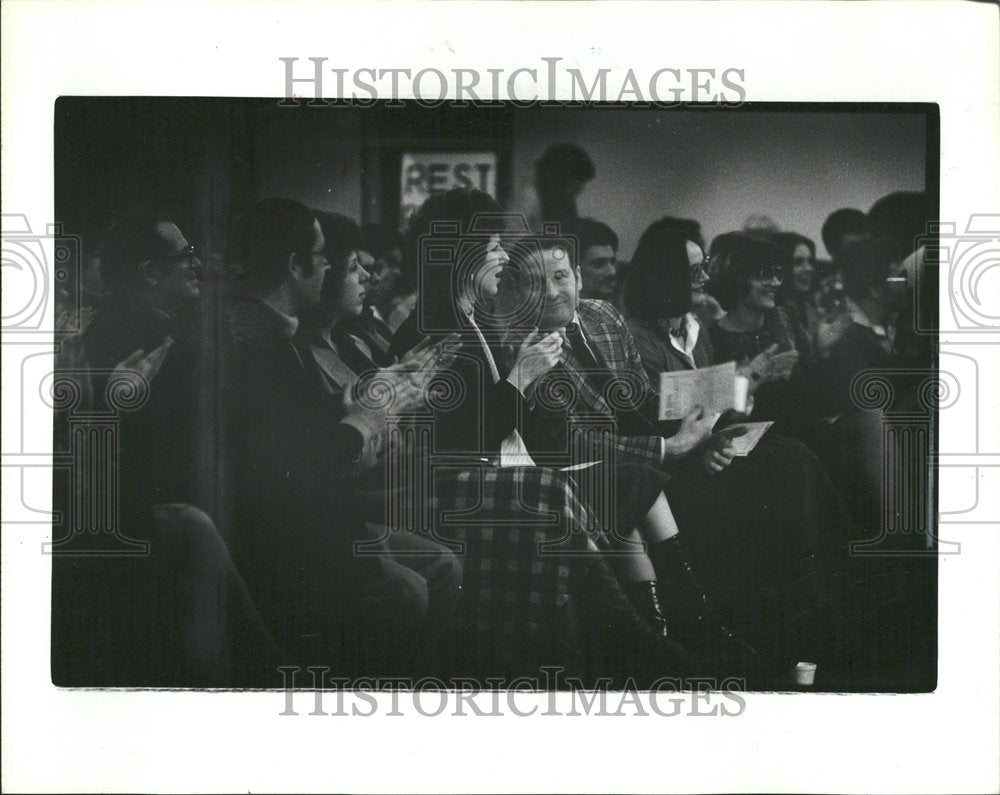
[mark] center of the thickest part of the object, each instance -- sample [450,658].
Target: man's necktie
[594,371]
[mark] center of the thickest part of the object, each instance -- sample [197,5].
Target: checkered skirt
[525,541]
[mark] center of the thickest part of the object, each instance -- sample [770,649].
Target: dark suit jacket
[289,465]
[660,356]
[159,442]
[482,412]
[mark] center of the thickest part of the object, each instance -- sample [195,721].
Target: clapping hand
[769,365]
[402,387]
[146,365]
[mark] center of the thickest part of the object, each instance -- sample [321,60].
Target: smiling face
[802,269]
[599,272]
[762,290]
[561,281]
[699,278]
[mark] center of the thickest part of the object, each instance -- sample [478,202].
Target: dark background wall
[202,160]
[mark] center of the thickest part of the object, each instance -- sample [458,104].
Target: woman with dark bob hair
[768,530]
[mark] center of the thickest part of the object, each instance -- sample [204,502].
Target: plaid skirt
[526,543]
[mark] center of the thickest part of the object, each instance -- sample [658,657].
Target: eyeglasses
[187,257]
[699,271]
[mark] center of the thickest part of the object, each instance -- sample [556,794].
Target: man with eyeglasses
[150,324]
[328,590]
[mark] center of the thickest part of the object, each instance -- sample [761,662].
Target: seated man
[150,324]
[598,247]
[759,552]
[290,454]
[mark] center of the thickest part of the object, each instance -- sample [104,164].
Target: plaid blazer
[570,412]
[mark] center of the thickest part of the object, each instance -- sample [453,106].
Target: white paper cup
[805,673]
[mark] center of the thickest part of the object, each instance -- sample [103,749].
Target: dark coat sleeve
[481,414]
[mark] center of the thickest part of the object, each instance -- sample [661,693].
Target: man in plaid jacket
[598,402]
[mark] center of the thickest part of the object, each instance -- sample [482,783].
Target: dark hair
[786,243]
[658,284]
[741,256]
[130,242]
[564,163]
[845,221]
[270,233]
[454,224]
[688,227]
[900,218]
[866,264]
[589,232]
[378,239]
[341,238]
[722,243]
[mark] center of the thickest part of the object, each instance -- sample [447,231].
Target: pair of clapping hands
[769,365]
[71,357]
[403,387]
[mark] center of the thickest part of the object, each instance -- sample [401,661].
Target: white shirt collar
[686,345]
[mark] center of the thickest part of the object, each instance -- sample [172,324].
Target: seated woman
[767,530]
[494,378]
[528,541]
[797,259]
[745,280]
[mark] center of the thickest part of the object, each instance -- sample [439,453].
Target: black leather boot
[621,644]
[689,614]
[645,598]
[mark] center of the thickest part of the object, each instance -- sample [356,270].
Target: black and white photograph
[437,393]
[535,383]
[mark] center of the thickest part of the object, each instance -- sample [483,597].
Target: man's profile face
[599,271]
[176,272]
[312,284]
[385,272]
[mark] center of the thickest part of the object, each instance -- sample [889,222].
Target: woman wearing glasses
[756,333]
[768,530]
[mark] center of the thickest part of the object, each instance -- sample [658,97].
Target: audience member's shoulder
[642,331]
[597,309]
